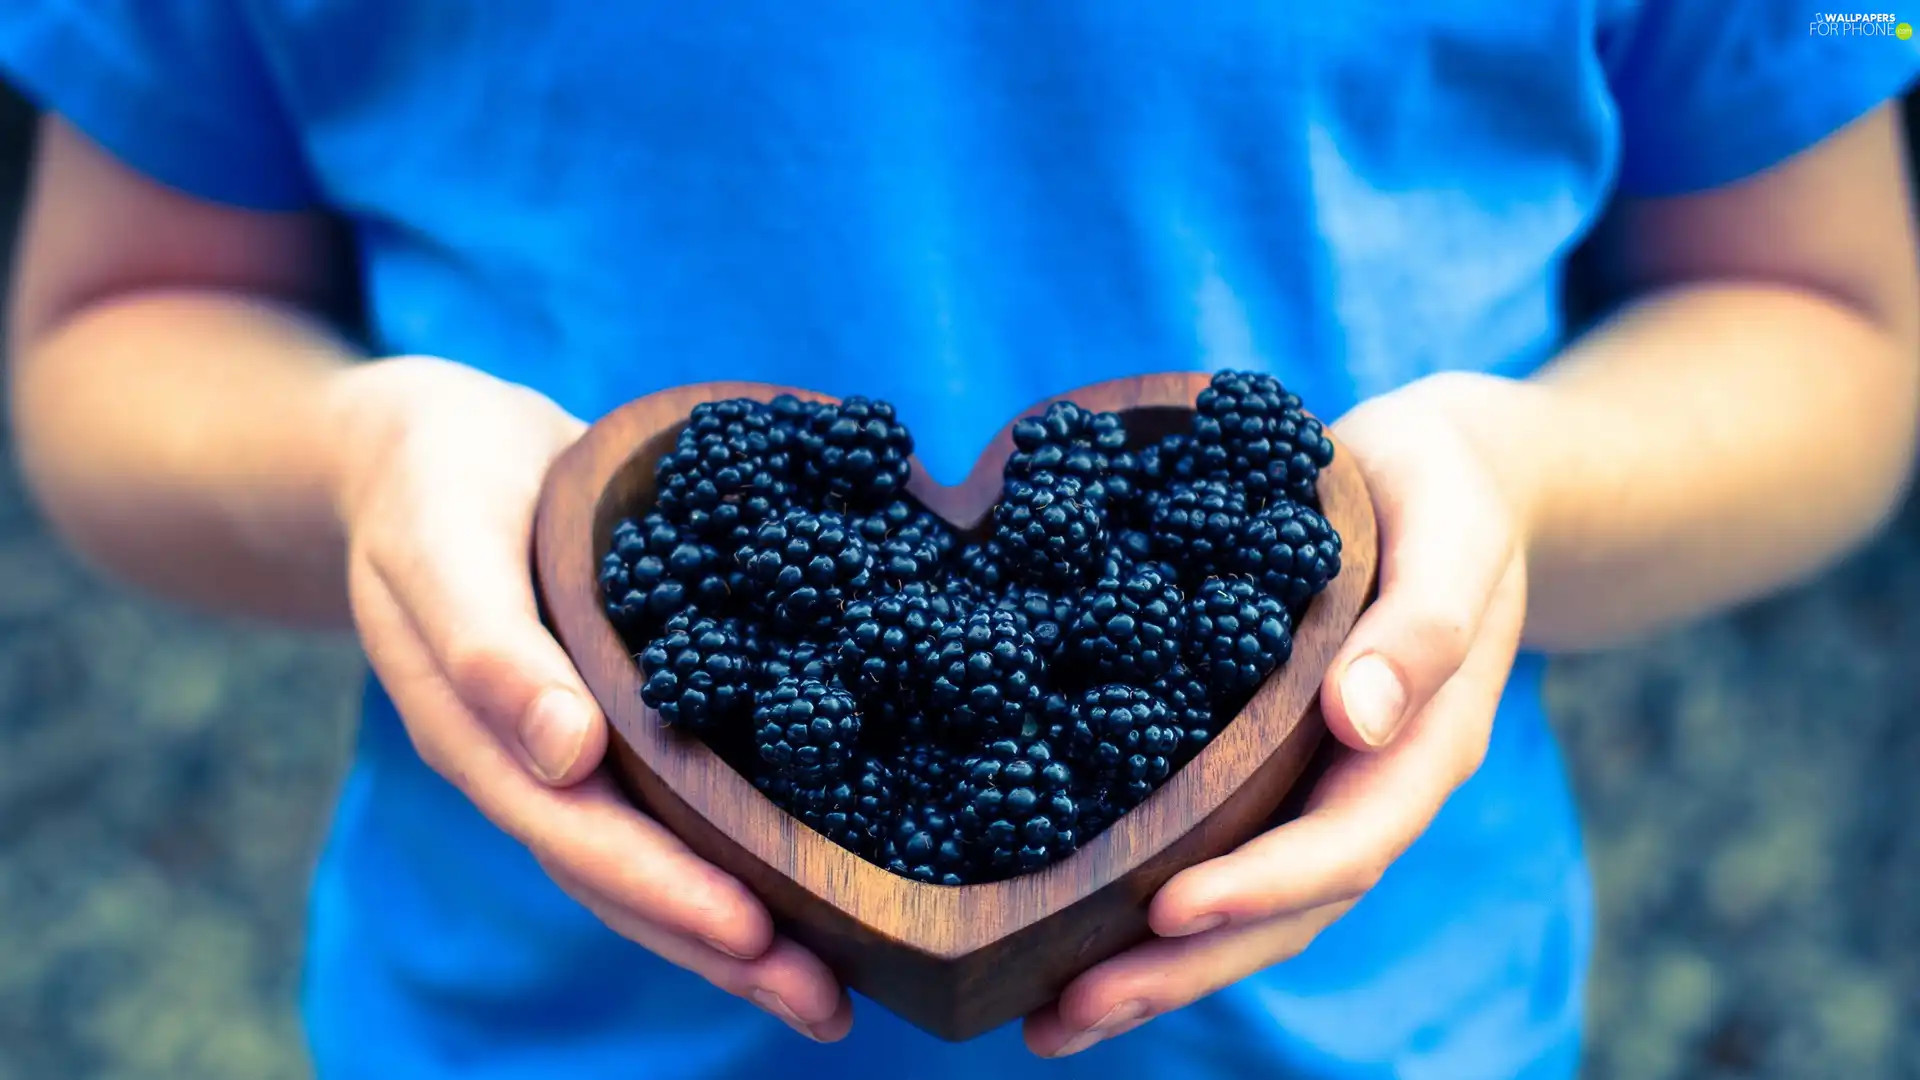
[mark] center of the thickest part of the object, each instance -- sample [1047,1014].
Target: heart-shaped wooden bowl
[956,961]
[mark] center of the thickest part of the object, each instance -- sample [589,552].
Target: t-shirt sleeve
[178,91]
[1711,91]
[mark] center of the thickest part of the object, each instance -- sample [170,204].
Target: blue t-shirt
[963,208]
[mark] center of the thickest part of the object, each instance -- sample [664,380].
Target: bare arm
[1746,420]
[173,397]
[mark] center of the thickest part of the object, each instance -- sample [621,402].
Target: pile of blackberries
[964,708]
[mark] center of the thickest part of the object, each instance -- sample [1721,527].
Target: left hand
[1411,693]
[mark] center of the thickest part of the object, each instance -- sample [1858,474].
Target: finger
[1114,997]
[1445,538]
[1365,812]
[471,602]
[787,981]
[588,829]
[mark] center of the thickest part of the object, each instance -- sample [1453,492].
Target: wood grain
[955,961]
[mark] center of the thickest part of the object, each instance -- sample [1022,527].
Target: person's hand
[1411,693]
[438,495]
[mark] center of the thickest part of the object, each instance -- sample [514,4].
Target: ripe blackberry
[856,811]
[1129,628]
[886,652]
[1043,613]
[984,567]
[986,676]
[1291,552]
[926,844]
[1196,524]
[1131,549]
[1049,531]
[926,774]
[1102,804]
[949,599]
[1124,736]
[804,568]
[1068,440]
[654,571]
[697,675]
[1192,712]
[1236,636]
[1017,806]
[807,731]
[729,470]
[910,542]
[1250,429]
[855,451]
[773,659]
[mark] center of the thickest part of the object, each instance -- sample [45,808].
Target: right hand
[437,494]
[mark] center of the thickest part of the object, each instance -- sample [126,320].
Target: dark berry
[1068,440]
[856,451]
[1049,532]
[983,567]
[986,676]
[926,844]
[1129,628]
[1102,804]
[1197,523]
[807,731]
[697,676]
[1124,735]
[856,811]
[1192,711]
[1236,636]
[927,774]
[654,571]
[886,655]
[729,470]
[1017,806]
[1291,552]
[910,542]
[804,568]
[1043,613]
[1248,428]
[777,658]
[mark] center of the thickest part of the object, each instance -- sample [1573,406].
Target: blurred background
[1748,787]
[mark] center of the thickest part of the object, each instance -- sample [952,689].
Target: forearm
[191,443]
[1703,447]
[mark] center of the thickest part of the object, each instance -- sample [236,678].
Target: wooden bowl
[956,961]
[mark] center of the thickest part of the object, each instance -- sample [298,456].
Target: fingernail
[1374,698]
[771,1002]
[1123,1017]
[1203,924]
[555,727]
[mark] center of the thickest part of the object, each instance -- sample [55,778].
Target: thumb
[1446,539]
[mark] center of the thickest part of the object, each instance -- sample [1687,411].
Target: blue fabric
[963,208]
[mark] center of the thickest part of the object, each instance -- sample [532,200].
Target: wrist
[369,406]
[1507,422]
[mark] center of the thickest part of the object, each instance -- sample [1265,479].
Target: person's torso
[962,208]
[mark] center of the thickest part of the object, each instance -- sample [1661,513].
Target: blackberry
[948,600]
[986,676]
[926,844]
[1129,550]
[1236,636]
[804,568]
[808,731]
[856,812]
[1291,552]
[886,653]
[1129,628]
[910,542]
[855,451]
[1249,428]
[1188,705]
[926,773]
[654,571]
[697,675]
[776,658]
[1125,737]
[983,567]
[1102,804]
[1068,440]
[730,469]
[1017,806]
[1196,524]
[1042,613]
[1048,530]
